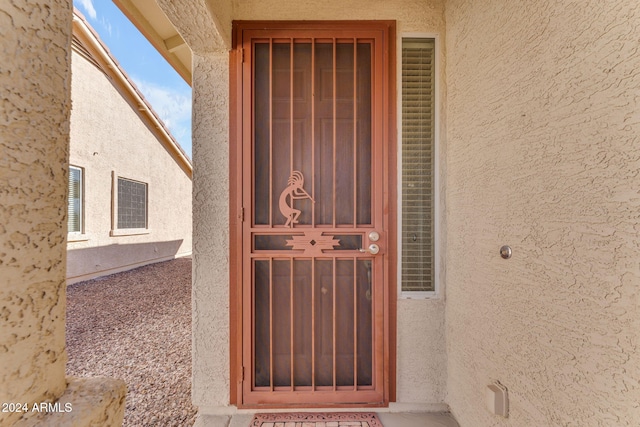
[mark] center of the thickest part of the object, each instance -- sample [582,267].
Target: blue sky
[165,90]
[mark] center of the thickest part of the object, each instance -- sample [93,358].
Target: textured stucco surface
[543,155]
[421,351]
[108,135]
[87,402]
[34,134]
[410,15]
[211,229]
[421,357]
[204,24]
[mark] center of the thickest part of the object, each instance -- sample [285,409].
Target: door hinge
[242,54]
[242,214]
[242,375]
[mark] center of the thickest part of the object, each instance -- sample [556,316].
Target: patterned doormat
[316,419]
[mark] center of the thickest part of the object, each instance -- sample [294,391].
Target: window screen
[74,207]
[418,56]
[132,204]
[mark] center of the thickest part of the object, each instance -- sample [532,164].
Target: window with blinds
[132,204]
[418,87]
[74,205]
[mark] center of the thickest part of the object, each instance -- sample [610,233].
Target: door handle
[372,249]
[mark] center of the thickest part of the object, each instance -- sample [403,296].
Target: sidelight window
[418,141]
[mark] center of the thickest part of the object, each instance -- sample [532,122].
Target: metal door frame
[240,126]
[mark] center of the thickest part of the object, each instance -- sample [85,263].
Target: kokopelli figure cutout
[293,192]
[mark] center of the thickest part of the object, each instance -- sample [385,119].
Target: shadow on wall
[89,263]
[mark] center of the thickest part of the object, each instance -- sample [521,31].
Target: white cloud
[87,5]
[107,26]
[173,106]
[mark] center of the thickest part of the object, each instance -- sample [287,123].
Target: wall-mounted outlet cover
[498,399]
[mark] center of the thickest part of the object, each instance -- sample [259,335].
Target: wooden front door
[315,233]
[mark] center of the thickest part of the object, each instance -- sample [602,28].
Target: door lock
[372,249]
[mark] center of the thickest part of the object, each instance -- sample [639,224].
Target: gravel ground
[136,326]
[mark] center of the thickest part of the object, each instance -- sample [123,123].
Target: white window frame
[115,231]
[436,293]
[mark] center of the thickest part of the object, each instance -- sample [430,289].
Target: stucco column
[211,229]
[35,79]
[34,127]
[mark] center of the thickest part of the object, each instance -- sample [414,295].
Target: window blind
[74,206]
[418,73]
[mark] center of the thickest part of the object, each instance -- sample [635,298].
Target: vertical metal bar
[335,75]
[271,132]
[291,105]
[271,323]
[313,324]
[291,320]
[355,132]
[334,322]
[253,323]
[355,326]
[313,129]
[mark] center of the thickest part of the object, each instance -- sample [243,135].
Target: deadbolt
[374,236]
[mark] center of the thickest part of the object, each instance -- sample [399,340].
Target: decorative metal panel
[313,332]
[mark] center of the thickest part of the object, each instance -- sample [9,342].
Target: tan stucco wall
[421,351]
[108,135]
[34,134]
[543,155]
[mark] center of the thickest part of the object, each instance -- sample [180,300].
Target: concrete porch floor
[388,419]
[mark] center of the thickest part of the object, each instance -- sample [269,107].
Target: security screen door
[314,238]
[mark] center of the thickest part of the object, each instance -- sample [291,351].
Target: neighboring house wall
[543,155]
[34,135]
[110,138]
[421,360]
